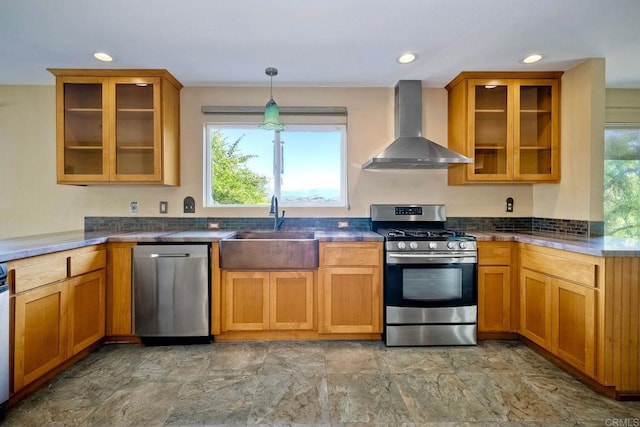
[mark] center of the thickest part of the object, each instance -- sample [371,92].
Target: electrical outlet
[164,207]
[343,224]
[509,204]
[213,226]
[133,207]
[189,205]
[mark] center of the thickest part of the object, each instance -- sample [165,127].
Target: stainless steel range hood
[410,150]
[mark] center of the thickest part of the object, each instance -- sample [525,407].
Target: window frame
[209,127]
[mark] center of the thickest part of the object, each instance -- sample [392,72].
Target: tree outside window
[622,182]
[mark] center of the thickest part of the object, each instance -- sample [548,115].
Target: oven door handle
[452,257]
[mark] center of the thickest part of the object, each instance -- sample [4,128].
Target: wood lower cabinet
[573,324]
[535,307]
[40,332]
[118,296]
[291,301]
[350,287]
[559,295]
[86,310]
[259,300]
[246,300]
[344,289]
[55,318]
[494,298]
[497,294]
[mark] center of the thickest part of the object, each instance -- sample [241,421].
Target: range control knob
[413,245]
[433,245]
[451,245]
[401,245]
[463,245]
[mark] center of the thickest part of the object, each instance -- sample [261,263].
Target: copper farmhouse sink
[269,250]
[276,235]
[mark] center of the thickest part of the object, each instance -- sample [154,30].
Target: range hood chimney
[410,150]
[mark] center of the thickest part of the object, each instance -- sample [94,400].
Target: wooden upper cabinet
[117,126]
[509,123]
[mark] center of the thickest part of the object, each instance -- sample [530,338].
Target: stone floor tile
[398,360]
[365,398]
[439,397]
[214,400]
[580,401]
[336,383]
[290,357]
[290,399]
[140,402]
[238,358]
[350,357]
[509,397]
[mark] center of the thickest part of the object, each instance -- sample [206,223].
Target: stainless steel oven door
[430,285]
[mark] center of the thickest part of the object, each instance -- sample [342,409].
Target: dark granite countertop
[598,246]
[172,236]
[23,247]
[348,236]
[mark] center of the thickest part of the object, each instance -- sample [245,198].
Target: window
[622,181]
[245,165]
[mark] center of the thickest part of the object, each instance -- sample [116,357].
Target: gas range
[418,233]
[419,228]
[430,280]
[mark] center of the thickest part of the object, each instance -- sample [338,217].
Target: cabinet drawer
[573,270]
[494,254]
[343,254]
[84,262]
[32,272]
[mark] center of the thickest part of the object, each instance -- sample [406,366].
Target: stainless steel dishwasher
[171,292]
[4,340]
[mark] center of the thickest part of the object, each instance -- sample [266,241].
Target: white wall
[33,203]
[580,193]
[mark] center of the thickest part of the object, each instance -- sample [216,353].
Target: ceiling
[317,43]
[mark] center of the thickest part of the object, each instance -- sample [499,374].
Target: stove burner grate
[421,233]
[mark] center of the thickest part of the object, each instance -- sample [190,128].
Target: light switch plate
[164,207]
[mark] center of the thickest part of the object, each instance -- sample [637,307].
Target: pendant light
[271,111]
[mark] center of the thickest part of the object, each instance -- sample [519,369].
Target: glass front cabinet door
[117,129]
[136,139]
[490,124]
[536,129]
[83,147]
[510,126]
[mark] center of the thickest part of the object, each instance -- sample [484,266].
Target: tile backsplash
[551,225]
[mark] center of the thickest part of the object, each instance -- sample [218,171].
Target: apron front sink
[279,250]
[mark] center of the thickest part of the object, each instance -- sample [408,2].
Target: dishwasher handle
[169,255]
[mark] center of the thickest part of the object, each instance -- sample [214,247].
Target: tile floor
[318,383]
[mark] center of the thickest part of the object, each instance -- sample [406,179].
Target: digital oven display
[408,210]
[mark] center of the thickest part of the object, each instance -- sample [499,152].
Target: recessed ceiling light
[101,56]
[407,58]
[532,58]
